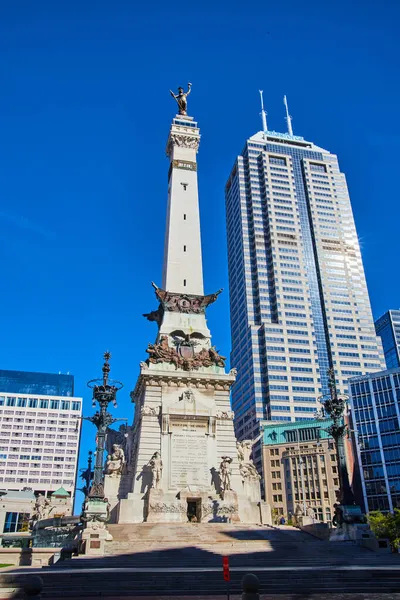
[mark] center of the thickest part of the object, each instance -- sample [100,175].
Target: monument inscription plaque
[189,453]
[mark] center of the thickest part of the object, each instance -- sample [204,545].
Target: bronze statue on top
[181,98]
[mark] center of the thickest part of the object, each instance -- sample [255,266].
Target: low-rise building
[300,468]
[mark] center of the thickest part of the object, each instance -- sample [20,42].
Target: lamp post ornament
[350,522]
[86,475]
[104,391]
[334,406]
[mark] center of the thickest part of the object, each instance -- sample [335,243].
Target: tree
[386,525]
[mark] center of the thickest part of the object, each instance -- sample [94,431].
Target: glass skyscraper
[376,417]
[388,329]
[29,382]
[298,296]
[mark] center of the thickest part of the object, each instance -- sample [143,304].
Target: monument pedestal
[265,513]
[111,490]
[132,509]
[352,532]
[351,524]
[95,534]
[230,506]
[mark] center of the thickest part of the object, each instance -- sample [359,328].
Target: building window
[11,401]
[65,405]
[318,167]
[76,406]
[43,404]
[277,160]
[55,404]
[21,402]
[32,403]
[16,522]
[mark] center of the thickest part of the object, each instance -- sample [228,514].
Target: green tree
[386,525]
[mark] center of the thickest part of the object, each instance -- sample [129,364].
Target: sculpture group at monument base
[195,506]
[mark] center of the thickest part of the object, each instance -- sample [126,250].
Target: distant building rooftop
[26,382]
[61,493]
[276,433]
[17,494]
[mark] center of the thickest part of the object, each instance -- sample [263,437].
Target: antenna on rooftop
[263,113]
[288,117]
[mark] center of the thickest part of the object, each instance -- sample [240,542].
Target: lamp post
[104,391]
[300,465]
[86,475]
[334,407]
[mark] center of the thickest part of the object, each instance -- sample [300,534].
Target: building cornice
[178,379]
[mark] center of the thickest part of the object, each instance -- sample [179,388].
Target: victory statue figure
[181,99]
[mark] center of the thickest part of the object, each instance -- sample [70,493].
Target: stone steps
[155,563]
[104,583]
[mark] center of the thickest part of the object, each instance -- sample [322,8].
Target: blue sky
[84,117]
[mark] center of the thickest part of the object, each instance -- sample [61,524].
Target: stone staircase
[186,559]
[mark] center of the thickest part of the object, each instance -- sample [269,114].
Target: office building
[300,469]
[376,417]
[388,329]
[298,296]
[39,432]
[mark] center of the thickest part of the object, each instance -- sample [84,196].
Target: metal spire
[288,117]
[263,113]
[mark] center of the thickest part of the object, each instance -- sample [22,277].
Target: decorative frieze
[182,140]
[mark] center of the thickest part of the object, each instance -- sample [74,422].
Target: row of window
[39,403]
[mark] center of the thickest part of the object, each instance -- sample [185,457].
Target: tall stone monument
[182,459]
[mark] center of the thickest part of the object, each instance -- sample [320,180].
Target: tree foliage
[386,525]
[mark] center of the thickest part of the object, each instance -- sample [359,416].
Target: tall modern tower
[388,329]
[298,296]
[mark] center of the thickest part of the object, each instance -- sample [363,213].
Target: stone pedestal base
[95,534]
[132,509]
[352,532]
[230,506]
[111,490]
[163,508]
[93,541]
[304,520]
[251,489]
[265,513]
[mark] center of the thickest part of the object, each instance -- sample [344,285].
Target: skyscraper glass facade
[299,300]
[25,382]
[388,329]
[376,416]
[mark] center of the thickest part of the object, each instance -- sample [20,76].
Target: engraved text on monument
[189,456]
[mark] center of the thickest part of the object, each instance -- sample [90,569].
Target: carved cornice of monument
[189,360]
[208,381]
[182,303]
[183,141]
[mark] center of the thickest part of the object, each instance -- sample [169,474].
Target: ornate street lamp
[87,475]
[334,407]
[104,391]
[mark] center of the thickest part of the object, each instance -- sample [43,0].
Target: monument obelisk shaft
[184,462]
[182,269]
